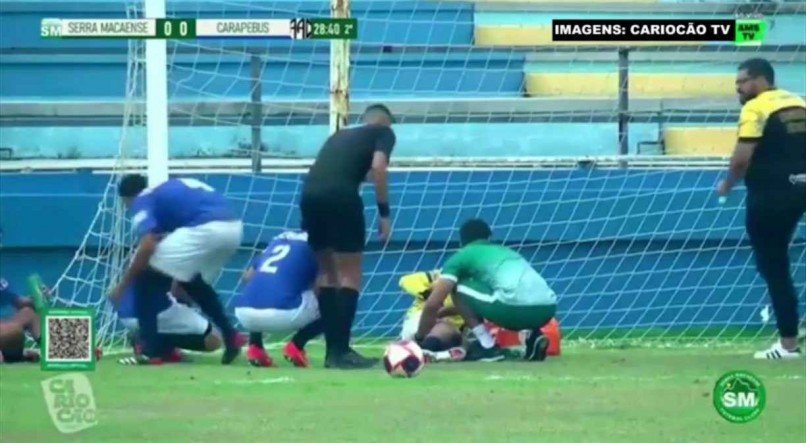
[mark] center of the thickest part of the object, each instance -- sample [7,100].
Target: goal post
[339,71]
[156,85]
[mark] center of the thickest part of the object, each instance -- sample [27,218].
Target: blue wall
[625,249]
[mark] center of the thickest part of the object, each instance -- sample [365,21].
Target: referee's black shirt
[346,158]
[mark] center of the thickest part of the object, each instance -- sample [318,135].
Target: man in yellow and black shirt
[771,158]
[447,333]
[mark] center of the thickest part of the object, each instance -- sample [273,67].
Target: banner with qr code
[68,337]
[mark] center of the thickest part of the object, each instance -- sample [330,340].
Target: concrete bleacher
[640,85]
[483,70]
[700,141]
[697,77]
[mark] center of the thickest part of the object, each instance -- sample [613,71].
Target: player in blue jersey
[17,315]
[177,324]
[187,233]
[278,297]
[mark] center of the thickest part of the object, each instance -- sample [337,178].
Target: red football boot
[295,355]
[175,356]
[258,357]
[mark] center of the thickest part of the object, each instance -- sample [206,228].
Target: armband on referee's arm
[383,210]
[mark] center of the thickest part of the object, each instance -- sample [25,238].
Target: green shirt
[495,273]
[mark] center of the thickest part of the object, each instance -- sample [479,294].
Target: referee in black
[771,158]
[333,216]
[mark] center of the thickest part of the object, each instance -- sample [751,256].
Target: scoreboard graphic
[295,28]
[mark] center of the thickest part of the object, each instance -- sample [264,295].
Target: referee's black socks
[329,313]
[348,304]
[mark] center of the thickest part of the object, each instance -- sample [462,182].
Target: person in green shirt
[495,283]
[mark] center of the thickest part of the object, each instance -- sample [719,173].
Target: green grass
[587,395]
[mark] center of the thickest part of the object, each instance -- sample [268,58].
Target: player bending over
[444,340]
[495,283]
[187,233]
[333,217]
[278,297]
[178,326]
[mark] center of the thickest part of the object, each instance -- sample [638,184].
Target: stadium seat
[540,35]
[641,85]
[700,141]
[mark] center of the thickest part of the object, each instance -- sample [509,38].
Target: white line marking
[262,381]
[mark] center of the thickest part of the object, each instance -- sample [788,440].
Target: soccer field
[586,395]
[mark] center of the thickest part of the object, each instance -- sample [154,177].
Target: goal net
[494,122]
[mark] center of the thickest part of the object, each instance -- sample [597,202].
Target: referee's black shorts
[333,219]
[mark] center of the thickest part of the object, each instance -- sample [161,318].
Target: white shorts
[280,320]
[198,250]
[410,325]
[177,319]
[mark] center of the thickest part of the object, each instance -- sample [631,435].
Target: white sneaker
[453,354]
[777,352]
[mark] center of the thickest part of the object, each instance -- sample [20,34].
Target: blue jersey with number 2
[179,203]
[285,270]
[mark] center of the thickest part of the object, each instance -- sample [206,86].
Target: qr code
[69,338]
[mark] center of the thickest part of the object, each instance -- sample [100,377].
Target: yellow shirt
[776,120]
[418,285]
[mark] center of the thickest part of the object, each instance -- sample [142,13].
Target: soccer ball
[403,359]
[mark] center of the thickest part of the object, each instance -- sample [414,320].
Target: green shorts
[513,317]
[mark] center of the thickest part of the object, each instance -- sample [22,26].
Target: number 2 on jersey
[278,253]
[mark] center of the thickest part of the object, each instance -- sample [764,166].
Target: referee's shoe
[349,360]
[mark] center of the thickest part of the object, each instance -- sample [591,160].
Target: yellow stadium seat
[526,35]
[641,85]
[700,141]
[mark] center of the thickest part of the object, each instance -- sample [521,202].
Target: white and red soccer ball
[403,359]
